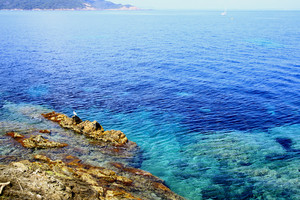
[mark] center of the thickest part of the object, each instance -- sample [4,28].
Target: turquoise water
[212,101]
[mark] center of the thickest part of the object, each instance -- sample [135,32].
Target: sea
[213,101]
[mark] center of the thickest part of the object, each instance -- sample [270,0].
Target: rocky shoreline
[70,177]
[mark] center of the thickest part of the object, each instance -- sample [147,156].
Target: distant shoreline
[142,9]
[74,9]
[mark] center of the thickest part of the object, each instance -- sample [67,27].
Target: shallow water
[212,101]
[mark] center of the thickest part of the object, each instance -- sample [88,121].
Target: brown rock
[64,122]
[49,179]
[56,117]
[39,181]
[42,158]
[14,135]
[98,178]
[135,171]
[90,129]
[143,179]
[118,138]
[119,194]
[76,119]
[37,141]
[45,131]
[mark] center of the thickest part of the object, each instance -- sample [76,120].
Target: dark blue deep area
[236,72]
[197,71]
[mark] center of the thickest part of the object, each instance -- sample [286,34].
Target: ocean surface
[212,101]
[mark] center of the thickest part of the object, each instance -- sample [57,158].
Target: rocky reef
[72,179]
[90,129]
[114,142]
[56,174]
[35,141]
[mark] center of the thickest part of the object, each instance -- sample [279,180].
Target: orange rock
[69,157]
[42,158]
[118,138]
[51,116]
[132,170]
[15,135]
[37,141]
[119,194]
[118,165]
[161,186]
[45,131]
[72,160]
[90,129]
[124,180]
[107,183]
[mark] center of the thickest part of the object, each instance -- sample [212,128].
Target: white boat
[224,13]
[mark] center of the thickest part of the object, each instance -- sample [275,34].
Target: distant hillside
[61,4]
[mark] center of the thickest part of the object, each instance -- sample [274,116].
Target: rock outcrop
[38,141]
[45,131]
[71,179]
[91,129]
[39,177]
[35,141]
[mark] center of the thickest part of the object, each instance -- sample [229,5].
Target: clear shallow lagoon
[213,101]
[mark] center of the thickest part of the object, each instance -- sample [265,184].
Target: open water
[213,101]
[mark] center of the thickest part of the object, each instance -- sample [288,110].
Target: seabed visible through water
[217,165]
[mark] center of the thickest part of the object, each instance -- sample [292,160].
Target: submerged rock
[35,141]
[71,179]
[15,135]
[143,179]
[286,143]
[45,131]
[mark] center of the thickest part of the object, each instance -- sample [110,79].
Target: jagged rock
[118,138]
[71,179]
[35,141]
[143,179]
[90,129]
[40,181]
[42,158]
[15,135]
[76,119]
[45,131]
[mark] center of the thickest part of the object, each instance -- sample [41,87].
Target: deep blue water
[175,82]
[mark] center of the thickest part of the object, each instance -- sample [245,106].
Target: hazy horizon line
[152,9]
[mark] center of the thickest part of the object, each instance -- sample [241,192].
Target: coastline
[44,175]
[124,8]
[215,120]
